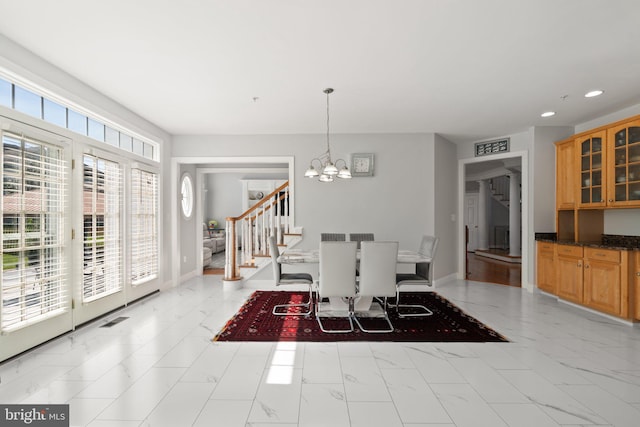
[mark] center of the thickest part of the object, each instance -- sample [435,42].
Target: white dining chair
[361,237]
[337,280]
[289,279]
[423,277]
[377,280]
[332,237]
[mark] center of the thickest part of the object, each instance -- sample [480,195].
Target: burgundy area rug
[255,322]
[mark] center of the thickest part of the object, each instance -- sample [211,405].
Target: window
[144,226]
[102,267]
[27,102]
[33,285]
[76,122]
[186,189]
[54,113]
[21,99]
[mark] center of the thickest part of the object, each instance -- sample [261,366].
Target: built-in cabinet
[569,278]
[601,279]
[565,177]
[593,153]
[624,165]
[546,267]
[606,278]
[596,170]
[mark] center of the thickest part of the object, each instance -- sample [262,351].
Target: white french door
[79,233]
[100,236]
[35,284]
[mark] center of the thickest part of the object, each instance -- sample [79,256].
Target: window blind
[144,226]
[102,200]
[33,281]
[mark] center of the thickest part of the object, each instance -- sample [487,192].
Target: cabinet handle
[638,273]
[579,265]
[586,266]
[610,200]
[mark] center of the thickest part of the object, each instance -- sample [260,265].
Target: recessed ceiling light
[593,93]
[548,114]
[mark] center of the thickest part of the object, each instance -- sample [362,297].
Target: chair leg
[335,331]
[377,331]
[286,307]
[425,310]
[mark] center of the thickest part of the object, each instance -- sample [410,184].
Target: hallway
[483,269]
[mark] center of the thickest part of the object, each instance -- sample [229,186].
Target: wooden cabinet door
[566,174]
[569,278]
[592,155]
[545,270]
[623,174]
[602,286]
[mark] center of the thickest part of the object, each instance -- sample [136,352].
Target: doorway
[186,252]
[493,269]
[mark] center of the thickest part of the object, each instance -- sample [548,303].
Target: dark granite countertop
[609,241]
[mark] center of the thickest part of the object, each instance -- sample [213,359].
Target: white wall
[224,196]
[397,203]
[622,221]
[627,112]
[544,172]
[445,201]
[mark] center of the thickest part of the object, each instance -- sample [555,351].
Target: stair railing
[247,235]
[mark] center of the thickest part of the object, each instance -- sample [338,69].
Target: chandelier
[327,169]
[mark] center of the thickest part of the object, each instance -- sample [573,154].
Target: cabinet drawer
[572,251]
[602,254]
[546,247]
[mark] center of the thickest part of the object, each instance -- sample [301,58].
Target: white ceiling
[466,69]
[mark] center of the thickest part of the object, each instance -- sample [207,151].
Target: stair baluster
[256,225]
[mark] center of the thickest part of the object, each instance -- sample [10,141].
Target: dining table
[312,256]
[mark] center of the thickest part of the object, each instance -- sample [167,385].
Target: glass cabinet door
[625,164]
[592,161]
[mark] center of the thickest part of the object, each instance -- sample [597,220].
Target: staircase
[247,244]
[499,187]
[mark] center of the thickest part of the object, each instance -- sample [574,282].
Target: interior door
[471,219]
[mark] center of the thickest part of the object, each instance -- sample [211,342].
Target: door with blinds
[99,237]
[35,284]
[79,234]
[143,231]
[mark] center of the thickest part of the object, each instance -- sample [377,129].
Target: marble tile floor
[563,367]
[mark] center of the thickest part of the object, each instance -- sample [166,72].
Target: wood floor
[483,269]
